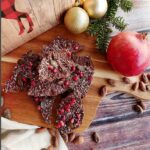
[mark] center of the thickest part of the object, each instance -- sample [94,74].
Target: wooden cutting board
[23,108]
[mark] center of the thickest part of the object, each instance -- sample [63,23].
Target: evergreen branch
[119,23]
[100,28]
[126,5]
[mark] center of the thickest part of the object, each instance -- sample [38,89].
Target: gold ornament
[76,20]
[96,8]
[79,2]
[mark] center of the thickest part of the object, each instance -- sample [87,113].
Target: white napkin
[18,136]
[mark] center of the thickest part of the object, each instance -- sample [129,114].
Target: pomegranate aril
[72,120]
[66,83]
[36,99]
[39,107]
[33,83]
[24,79]
[81,74]
[55,70]
[75,78]
[90,78]
[50,67]
[73,68]
[69,54]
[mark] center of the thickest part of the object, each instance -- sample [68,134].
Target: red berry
[73,68]
[33,83]
[61,123]
[58,126]
[30,64]
[76,47]
[66,83]
[81,74]
[73,100]
[72,120]
[36,99]
[24,79]
[39,107]
[69,53]
[64,118]
[75,78]
[61,111]
[55,70]
[90,78]
[50,67]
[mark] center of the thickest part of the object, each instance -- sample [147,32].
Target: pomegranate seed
[78,116]
[61,111]
[69,54]
[76,47]
[33,83]
[61,123]
[64,118]
[81,74]
[36,99]
[90,78]
[73,68]
[24,79]
[75,78]
[66,83]
[39,107]
[72,120]
[55,70]
[30,63]
[58,126]
[50,67]
[73,100]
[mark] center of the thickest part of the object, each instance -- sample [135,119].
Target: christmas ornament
[79,2]
[95,8]
[76,20]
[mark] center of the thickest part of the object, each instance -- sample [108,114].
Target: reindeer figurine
[9,11]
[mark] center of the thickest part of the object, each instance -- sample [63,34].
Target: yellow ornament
[79,2]
[76,20]
[96,8]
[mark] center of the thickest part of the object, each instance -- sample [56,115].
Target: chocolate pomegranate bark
[69,114]
[60,44]
[24,72]
[56,65]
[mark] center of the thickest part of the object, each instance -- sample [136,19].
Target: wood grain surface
[119,127]
[17,102]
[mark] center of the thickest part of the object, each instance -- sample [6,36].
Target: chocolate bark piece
[46,105]
[57,65]
[60,44]
[85,71]
[69,114]
[45,88]
[23,73]
[79,81]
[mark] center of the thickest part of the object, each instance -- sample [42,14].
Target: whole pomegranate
[129,53]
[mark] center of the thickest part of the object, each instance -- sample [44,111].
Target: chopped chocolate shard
[69,114]
[46,108]
[24,72]
[56,66]
[60,44]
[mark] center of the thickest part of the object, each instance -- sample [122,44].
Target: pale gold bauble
[76,20]
[79,2]
[96,8]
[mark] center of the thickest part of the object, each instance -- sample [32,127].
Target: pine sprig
[119,23]
[101,27]
[126,5]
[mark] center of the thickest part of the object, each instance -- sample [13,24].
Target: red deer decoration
[9,11]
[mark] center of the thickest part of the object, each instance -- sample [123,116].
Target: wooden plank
[119,127]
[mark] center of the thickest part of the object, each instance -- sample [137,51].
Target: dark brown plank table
[119,127]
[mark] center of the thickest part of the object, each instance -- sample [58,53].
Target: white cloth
[18,136]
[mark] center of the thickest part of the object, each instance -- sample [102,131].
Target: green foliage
[101,27]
